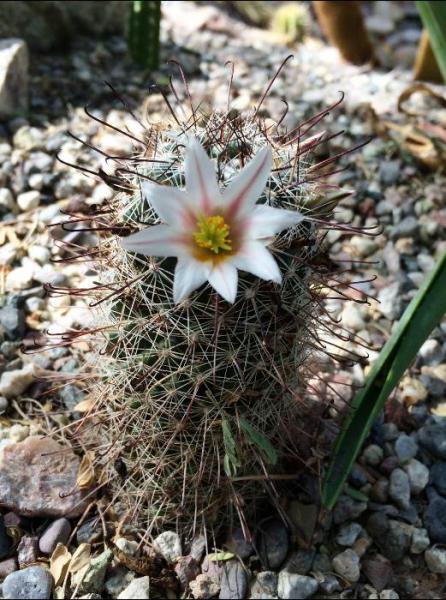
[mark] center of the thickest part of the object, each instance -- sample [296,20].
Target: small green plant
[144,32]
[292,20]
[422,315]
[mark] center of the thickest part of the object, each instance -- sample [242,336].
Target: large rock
[38,479]
[13,76]
[47,24]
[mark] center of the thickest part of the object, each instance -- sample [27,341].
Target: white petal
[189,275]
[158,240]
[223,278]
[256,259]
[265,221]
[171,204]
[244,190]
[201,180]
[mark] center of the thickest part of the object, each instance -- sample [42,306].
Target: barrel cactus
[209,318]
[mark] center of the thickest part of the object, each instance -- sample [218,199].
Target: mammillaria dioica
[205,400]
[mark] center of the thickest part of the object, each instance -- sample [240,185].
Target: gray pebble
[57,532]
[234,580]
[432,436]
[373,455]
[399,488]
[237,544]
[390,301]
[420,540]
[348,534]
[347,509]
[273,543]
[347,565]
[438,477]
[435,518]
[407,228]
[406,448]
[418,475]
[137,589]
[291,586]
[264,586]
[168,544]
[34,583]
[390,432]
[436,560]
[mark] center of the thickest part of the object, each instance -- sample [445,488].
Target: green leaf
[230,460]
[260,441]
[217,556]
[422,315]
[433,15]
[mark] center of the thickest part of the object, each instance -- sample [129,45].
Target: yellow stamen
[213,234]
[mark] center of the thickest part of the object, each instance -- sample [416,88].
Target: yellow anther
[213,234]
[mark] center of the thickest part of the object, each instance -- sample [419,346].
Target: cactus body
[144,32]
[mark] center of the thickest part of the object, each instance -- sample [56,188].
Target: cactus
[204,407]
[291,19]
[144,32]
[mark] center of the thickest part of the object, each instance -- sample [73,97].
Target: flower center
[213,234]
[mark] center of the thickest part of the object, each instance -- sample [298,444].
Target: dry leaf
[80,558]
[84,405]
[59,561]
[85,475]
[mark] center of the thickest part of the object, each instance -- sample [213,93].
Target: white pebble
[28,200]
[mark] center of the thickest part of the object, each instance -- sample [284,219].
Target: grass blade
[433,15]
[421,316]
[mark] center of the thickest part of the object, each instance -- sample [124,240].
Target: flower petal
[265,221]
[158,240]
[256,259]
[244,190]
[223,278]
[189,275]
[201,180]
[170,204]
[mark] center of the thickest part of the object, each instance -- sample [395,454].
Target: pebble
[129,547]
[168,544]
[13,383]
[330,585]
[38,479]
[388,595]
[407,228]
[406,448]
[27,551]
[373,455]
[348,534]
[7,567]
[6,199]
[347,565]
[436,560]
[39,254]
[420,540]
[390,432]
[5,540]
[93,579]
[3,405]
[186,569]
[28,200]
[204,588]
[12,319]
[33,583]
[20,278]
[347,509]
[18,433]
[399,488]
[300,562]
[438,477]
[117,580]
[8,254]
[435,518]
[431,436]
[273,543]
[380,490]
[264,586]
[432,352]
[418,475]
[352,318]
[57,532]
[234,580]
[291,585]
[237,544]
[138,588]
[390,301]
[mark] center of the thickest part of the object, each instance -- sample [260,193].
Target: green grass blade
[433,15]
[419,319]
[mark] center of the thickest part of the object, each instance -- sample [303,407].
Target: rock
[38,479]
[362,246]
[420,541]
[438,477]
[431,436]
[237,544]
[8,254]
[378,571]
[399,488]
[5,540]
[380,490]
[373,455]
[89,532]
[432,352]
[14,62]
[39,254]
[264,586]
[14,383]
[329,585]
[70,395]
[347,509]
[291,585]
[93,579]
[57,532]
[413,391]
[418,475]
[390,170]
[30,583]
[346,564]
[18,433]
[300,562]
[117,580]
[27,551]
[388,595]
[204,588]
[7,203]
[198,546]
[406,448]
[321,563]
[303,518]
[389,464]
[234,581]
[435,519]
[348,534]
[392,537]
[7,567]
[273,543]
[20,278]
[3,405]
[12,319]
[407,228]
[129,547]
[168,544]
[186,569]
[137,588]
[390,432]
[436,560]
[352,318]
[390,301]
[28,200]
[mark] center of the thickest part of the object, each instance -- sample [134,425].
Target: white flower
[214,232]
